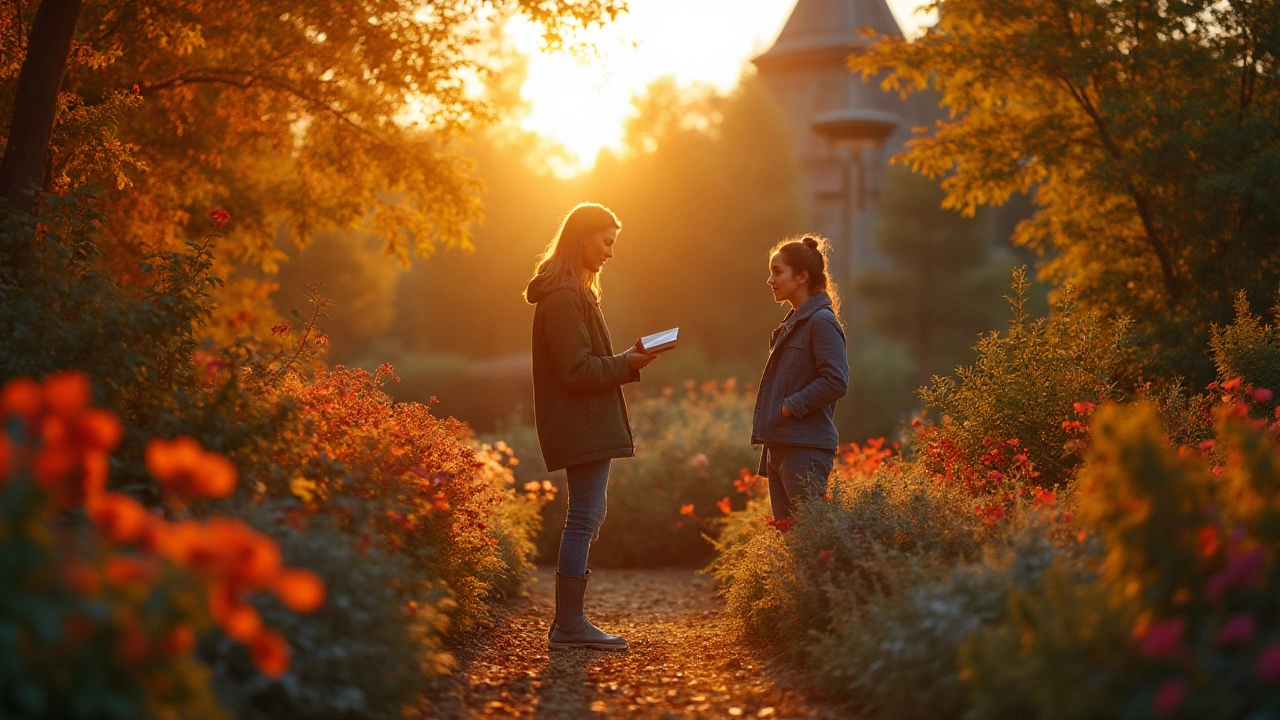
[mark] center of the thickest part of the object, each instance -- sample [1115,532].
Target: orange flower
[67,392]
[97,429]
[21,397]
[725,506]
[124,570]
[270,652]
[187,471]
[121,518]
[300,590]
[686,510]
[237,618]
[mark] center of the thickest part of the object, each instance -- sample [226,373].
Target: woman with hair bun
[806,373]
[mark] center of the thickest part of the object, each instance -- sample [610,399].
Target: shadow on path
[685,659]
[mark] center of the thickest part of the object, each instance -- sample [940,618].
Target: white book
[658,342]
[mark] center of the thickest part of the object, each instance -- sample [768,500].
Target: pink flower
[1261,395]
[1241,568]
[1267,664]
[1162,638]
[219,218]
[1169,697]
[1236,630]
[824,556]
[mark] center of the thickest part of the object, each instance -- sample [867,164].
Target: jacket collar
[815,303]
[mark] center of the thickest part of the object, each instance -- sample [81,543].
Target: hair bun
[810,243]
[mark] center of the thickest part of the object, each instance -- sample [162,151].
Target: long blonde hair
[562,261]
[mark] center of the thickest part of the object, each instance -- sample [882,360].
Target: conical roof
[828,27]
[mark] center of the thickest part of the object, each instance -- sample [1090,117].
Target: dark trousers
[795,472]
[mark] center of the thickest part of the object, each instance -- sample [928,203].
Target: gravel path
[685,660]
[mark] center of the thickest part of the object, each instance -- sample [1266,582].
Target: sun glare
[582,102]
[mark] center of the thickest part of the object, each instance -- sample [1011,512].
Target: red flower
[725,506]
[1207,445]
[824,556]
[1083,408]
[1262,395]
[1045,497]
[219,218]
[1236,630]
[1231,385]
[1169,697]
[783,525]
[1267,664]
[1074,426]
[280,329]
[687,510]
[1162,638]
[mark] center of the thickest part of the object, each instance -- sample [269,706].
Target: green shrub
[783,585]
[689,451]
[363,654]
[897,654]
[1024,384]
[1249,350]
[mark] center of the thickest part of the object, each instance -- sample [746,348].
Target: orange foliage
[63,444]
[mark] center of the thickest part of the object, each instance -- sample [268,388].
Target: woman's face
[598,249]
[782,281]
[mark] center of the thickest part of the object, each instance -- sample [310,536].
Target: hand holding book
[658,342]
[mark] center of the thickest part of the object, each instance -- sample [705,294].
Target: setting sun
[582,102]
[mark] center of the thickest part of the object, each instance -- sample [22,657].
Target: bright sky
[582,103]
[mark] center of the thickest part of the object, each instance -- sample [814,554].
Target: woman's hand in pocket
[786,411]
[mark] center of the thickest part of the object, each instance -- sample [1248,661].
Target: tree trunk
[35,102]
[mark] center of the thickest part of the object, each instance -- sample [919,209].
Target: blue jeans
[795,472]
[587,485]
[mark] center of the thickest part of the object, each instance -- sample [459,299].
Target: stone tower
[806,74]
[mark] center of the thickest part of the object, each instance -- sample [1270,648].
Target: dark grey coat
[809,371]
[578,407]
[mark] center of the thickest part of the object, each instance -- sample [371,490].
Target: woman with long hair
[806,373]
[579,410]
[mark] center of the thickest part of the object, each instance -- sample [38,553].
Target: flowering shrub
[1022,389]
[97,586]
[402,479]
[363,654]
[1182,620]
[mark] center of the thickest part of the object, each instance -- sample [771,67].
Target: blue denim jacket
[809,371]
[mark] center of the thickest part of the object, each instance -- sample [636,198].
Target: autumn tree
[315,114]
[1146,131]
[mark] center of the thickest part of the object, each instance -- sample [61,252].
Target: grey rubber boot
[571,628]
